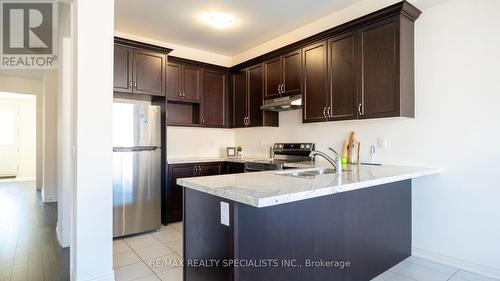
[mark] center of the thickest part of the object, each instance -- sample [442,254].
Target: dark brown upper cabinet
[283,75]
[240,100]
[174,81]
[343,99]
[315,96]
[184,82]
[191,83]
[122,80]
[358,70]
[139,68]
[149,73]
[213,98]
[255,116]
[197,94]
[248,89]
[387,69]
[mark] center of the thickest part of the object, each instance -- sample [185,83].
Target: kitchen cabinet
[184,82]
[214,98]
[149,72]
[330,91]
[233,168]
[139,70]
[240,99]
[197,94]
[122,69]
[343,99]
[358,70]
[210,169]
[172,201]
[255,116]
[248,98]
[282,75]
[173,197]
[315,97]
[174,81]
[387,69]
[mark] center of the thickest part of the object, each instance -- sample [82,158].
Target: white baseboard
[458,263]
[105,277]
[17,179]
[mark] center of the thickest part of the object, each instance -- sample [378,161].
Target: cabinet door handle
[202,119]
[200,170]
[282,88]
[195,170]
[360,109]
[135,84]
[324,112]
[330,112]
[130,84]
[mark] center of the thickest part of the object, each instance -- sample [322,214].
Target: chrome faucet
[336,163]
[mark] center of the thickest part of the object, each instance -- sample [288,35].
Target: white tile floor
[134,259]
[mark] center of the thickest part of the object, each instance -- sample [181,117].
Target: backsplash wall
[198,142]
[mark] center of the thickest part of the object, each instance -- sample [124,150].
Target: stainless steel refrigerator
[136,167]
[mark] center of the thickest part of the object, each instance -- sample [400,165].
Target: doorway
[17,137]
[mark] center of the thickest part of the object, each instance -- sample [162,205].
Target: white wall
[92,245]
[50,107]
[456,214]
[65,163]
[198,142]
[25,157]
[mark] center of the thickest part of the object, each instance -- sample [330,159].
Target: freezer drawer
[136,190]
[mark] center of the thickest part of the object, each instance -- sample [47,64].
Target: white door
[8,141]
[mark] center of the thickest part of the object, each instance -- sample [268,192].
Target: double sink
[307,173]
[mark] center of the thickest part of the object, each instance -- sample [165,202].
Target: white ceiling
[256,21]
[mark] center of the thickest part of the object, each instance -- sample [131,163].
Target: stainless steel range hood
[283,104]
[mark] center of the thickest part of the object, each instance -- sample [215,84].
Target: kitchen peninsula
[293,225]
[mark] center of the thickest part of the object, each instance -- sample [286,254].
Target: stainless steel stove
[281,153]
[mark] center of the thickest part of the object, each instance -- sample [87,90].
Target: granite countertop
[263,189]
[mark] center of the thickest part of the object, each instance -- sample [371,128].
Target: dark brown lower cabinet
[172,202]
[233,168]
[172,210]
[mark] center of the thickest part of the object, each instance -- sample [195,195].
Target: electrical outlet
[224,213]
[382,143]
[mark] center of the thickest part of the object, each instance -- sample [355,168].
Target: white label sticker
[224,213]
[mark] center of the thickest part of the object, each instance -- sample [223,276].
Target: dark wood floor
[29,249]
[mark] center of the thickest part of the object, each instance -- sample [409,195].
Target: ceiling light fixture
[220,20]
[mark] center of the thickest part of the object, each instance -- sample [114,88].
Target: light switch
[224,213]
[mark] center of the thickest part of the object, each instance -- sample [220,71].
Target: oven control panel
[293,147]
